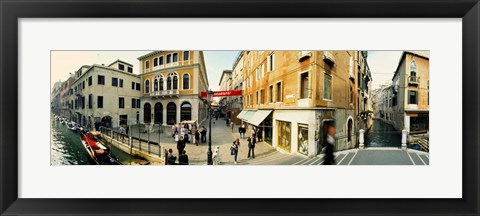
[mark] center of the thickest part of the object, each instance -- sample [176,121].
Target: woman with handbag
[234,149]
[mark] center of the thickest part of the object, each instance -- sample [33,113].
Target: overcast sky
[382,66]
[382,63]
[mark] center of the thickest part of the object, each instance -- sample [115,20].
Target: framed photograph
[277,107]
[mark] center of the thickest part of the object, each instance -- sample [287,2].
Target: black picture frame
[11,11]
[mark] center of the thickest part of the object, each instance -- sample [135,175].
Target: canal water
[382,134]
[66,147]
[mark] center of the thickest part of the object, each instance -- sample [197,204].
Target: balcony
[413,80]
[164,93]
[329,57]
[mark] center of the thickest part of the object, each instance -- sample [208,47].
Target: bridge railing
[143,137]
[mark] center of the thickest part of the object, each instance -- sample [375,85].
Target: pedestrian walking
[330,142]
[183,158]
[240,132]
[254,131]
[197,137]
[171,158]
[251,146]
[204,134]
[231,126]
[174,130]
[180,145]
[259,135]
[234,149]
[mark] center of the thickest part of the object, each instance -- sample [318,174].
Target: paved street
[221,136]
[368,156]
[265,154]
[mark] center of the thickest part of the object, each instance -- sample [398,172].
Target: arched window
[158,113]
[186,81]
[147,86]
[161,83]
[171,113]
[349,130]
[185,111]
[169,83]
[155,85]
[413,69]
[147,118]
[175,82]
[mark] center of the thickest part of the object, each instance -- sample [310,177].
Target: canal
[66,147]
[382,134]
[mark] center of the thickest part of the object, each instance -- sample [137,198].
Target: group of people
[190,133]
[251,142]
[171,159]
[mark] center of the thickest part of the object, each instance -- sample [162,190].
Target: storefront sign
[223,93]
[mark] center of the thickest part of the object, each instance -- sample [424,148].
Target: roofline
[224,72]
[404,53]
[118,60]
[149,54]
[105,67]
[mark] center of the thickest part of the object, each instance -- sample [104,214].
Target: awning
[241,114]
[258,117]
[248,114]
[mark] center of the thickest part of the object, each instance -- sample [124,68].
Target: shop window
[303,139]
[284,135]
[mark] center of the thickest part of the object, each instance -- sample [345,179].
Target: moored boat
[72,126]
[97,150]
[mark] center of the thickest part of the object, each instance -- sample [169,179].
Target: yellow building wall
[180,73]
[423,72]
[164,54]
[287,69]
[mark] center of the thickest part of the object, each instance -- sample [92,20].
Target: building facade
[172,82]
[410,99]
[105,95]
[225,84]
[293,96]
[236,104]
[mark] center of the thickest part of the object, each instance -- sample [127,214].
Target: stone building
[293,96]
[409,102]
[236,104]
[106,95]
[172,82]
[225,85]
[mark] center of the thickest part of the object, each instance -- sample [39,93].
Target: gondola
[97,150]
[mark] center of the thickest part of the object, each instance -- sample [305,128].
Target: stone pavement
[221,136]
[265,154]
[368,156]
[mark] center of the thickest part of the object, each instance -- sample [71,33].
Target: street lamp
[209,153]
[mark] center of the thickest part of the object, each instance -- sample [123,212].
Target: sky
[65,62]
[382,63]
[382,66]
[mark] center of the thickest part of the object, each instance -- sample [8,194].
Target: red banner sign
[223,93]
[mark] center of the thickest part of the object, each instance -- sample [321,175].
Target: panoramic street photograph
[239,107]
